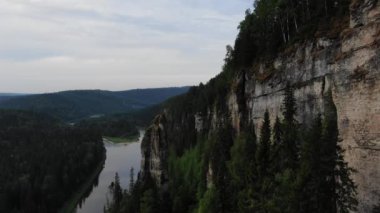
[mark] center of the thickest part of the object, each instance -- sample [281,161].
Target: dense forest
[119,126]
[79,104]
[286,166]
[122,125]
[43,162]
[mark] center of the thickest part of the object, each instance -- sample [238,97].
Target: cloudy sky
[53,45]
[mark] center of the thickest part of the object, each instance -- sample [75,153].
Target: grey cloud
[50,45]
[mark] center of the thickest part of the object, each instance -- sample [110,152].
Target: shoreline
[70,205]
[124,141]
[115,140]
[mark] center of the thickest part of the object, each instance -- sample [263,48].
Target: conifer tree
[277,132]
[242,168]
[276,146]
[263,153]
[285,192]
[309,175]
[220,157]
[340,190]
[131,180]
[289,155]
[265,179]
[149,202]
[117,191]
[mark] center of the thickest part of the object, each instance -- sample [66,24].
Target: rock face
[349,66]
[154,149]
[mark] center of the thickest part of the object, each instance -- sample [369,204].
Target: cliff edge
[348,65]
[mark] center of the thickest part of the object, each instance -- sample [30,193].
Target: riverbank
[120,158]
[122,140]
[71,204]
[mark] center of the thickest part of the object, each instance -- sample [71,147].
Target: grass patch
[71,204]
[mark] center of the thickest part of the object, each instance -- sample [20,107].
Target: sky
[55,45]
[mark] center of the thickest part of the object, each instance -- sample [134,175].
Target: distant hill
[78,104]
[7,96]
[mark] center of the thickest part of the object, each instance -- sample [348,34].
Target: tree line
[274,23]
[118,125]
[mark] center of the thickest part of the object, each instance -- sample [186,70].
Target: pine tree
[285,194]
[276,146]
[117,191]
[310,181]
[277,132]
[131,180]
[149,202]
[242,168]
[263,153]
[265,180]
[289,155]
[340,190]
[220,157]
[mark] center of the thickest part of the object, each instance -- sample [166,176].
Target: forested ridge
[75,105]
[43,161]
[284,167]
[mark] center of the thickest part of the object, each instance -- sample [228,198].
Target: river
[120,158]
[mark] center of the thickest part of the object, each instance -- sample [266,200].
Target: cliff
[348,65]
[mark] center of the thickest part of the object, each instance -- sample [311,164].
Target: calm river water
[120,159]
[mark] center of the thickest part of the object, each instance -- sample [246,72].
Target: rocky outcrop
[357,97]
[154,147]
[349,66]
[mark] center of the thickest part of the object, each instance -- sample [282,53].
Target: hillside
[7,96]
[282,128]
[78,104]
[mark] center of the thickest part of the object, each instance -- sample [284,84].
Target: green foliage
[310,183]
[112,126]
[209,201]
[220,155]
[148,202]
[131,180]
[276,145]
[188,172]
[263,153]
[242,169]
[290,134]
[43,161]
[285,197]
[274,23]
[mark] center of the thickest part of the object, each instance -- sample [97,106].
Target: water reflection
[120,158]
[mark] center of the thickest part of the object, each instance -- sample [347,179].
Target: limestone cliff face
[154,148]
[349,66]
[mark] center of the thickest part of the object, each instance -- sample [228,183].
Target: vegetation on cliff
[288,168]
[275,23]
